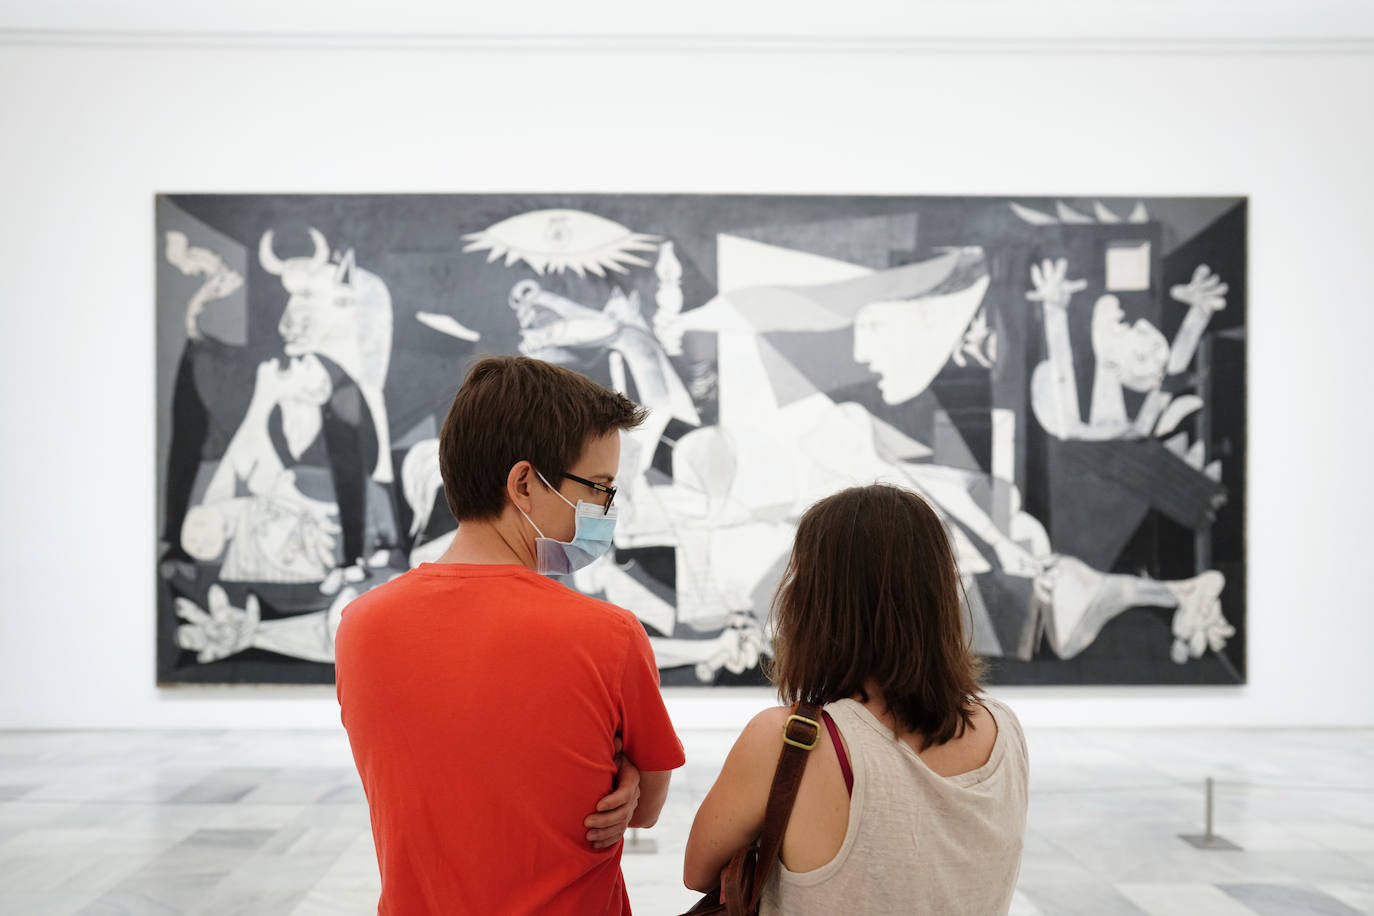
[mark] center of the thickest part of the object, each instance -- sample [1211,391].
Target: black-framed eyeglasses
[604,489]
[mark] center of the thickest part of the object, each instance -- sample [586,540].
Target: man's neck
[486,543]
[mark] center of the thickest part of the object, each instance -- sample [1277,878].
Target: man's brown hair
[514,408]
[871,592]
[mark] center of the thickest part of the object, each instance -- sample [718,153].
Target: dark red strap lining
[839,752]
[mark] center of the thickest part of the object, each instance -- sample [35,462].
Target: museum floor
[217,822]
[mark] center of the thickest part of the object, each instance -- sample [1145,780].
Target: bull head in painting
[323,295]
[338,310]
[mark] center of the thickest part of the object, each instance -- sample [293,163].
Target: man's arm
[646,736]
[636,802]
[653,792]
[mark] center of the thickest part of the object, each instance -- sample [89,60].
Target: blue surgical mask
[595,527]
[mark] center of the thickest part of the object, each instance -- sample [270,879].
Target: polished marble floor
[263,823]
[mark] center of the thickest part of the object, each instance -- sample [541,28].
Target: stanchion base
[1203,841]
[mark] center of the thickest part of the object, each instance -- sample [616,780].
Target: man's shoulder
[552,601]
[366,604]
[595,611]
[383,592]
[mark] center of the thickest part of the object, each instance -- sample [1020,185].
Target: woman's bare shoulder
[967,751]
[764,731]
[754,755]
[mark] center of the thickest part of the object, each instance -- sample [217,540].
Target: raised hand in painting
[613,813]
[1052,286]
[1205,291]
[222,632]
[1205,295]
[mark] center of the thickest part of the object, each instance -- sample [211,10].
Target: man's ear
[518,483]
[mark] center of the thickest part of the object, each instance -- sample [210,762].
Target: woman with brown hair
[914,798]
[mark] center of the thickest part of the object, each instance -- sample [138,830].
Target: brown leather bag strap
[801,733]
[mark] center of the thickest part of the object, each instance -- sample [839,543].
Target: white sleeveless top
[917,842]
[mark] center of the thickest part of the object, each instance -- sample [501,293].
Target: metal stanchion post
[634,845]
[1210,786]
[1208,839]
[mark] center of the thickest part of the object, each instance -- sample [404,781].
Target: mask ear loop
[555,490]
[531,521]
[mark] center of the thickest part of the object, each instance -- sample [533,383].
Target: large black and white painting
[1063,379]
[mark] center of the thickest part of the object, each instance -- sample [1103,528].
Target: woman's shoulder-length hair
[871,596]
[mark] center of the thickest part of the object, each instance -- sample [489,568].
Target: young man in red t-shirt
[507,728]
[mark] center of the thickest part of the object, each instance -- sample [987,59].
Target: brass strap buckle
[788,739]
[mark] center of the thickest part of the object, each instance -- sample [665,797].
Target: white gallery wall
[102,106]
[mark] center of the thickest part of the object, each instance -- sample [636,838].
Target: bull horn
[270,262]
[321,255]
[343,274]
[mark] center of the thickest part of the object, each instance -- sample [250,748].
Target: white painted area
[90,133]
[1128,266]
[744,264]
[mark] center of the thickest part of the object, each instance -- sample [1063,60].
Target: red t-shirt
[481,703]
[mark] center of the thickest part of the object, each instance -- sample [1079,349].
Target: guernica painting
[1062,378]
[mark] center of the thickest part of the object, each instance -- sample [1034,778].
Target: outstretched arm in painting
[220,279]
[736,649]
[1054,291]
[219,631]
[223,630]
[1205,295]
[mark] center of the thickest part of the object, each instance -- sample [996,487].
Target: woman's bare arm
[732,813]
